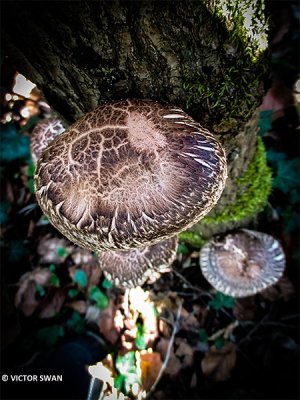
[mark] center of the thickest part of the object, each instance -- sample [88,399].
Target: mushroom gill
[242,263]
[129,174]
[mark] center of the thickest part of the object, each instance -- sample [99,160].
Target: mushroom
[129,174]
[131,268]
[242,263]
[42,135]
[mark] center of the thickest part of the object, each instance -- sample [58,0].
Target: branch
[166,360]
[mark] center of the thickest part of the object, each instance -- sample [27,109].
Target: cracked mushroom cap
[129,174]
[131,268]
[243,263]
[42,135]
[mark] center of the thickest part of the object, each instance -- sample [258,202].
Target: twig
[166,360]
[190,286]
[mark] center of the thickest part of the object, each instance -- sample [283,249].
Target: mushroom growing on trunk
[243,263]
[128,175]
[131,268]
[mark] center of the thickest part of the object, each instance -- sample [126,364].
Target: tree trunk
[193,54]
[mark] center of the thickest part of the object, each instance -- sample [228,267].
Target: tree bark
[81,54]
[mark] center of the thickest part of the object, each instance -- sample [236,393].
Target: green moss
[254,188]
[192,239]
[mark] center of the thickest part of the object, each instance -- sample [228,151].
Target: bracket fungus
[129,174]
[42,135]
[131,268]
[243,263]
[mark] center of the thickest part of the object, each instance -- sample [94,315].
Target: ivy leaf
[287,177]
[80,278]
[219,342]
[13,146]
[73,292]
[17,251]
[126,366]
[54,280]
[98,297]
[203,337]
[220,300]
[61,252]
[119,382]
[140,337]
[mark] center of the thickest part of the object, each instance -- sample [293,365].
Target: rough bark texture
[81,54]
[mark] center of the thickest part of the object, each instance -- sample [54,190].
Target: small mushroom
[131,268]
[129,174]
[42,135]
[243,263]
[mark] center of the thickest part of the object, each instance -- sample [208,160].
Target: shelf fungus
[129,174]
[131,268]
[42,135]
[243,263]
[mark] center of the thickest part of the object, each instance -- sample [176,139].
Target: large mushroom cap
[42,135]
[129,174]
[131,268]
[242,263]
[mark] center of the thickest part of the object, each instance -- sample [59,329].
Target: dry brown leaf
[106,323]
[48,248]
[150,364]
[25,298]
[54,303]
[219,364]
[244,309]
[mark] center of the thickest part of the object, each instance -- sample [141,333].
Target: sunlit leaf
[140,337]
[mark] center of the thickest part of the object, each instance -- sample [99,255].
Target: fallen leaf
[245,309]
[150,364]
[106,323]
[53,250]
[54,303]
[218,364]
[79,305]
[25,298]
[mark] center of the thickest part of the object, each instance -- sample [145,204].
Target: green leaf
[203,337]
[140,338]
[98,297]
[49,336]
[52,267]
[182,248]
[76,323]
[219,342]
[54,280]
[119,382]
[61,252]
[106,284]
[220,300]
[13,146]
[80,278]
[126,366]
[30,185]
[30,170]
[40,290]
[73,292]
[287,176]
[4,208]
